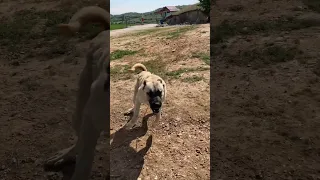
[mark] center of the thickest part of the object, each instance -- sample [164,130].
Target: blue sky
[123,6]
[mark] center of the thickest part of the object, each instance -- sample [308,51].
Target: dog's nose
[155,110]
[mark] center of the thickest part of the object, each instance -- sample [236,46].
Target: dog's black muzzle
[155,104]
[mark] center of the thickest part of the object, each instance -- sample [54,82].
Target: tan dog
[149,89]
[91,116]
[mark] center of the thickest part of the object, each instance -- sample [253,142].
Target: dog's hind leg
[130,111]
[135,116]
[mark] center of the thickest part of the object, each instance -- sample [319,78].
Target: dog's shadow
[125,161]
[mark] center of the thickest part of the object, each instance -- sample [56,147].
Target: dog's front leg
[82,99]
[87,142]
[134,118]
[95,120]
[158,117]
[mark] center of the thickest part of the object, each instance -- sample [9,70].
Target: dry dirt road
[265,90]
[39,70]
[131,29]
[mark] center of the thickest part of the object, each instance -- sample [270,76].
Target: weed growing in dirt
[178,32]
[118,54]
[313,4]
[236,8]
[205,57]
[262,56]
[229,29]
[192,79]
[146,32]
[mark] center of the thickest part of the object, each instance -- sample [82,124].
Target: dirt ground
[265,90]
[180,144]
[39,71]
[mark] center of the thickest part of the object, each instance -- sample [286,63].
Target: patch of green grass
[192,79]
[120,72]
[21,26]
[228,29]
[313,4]
[177,73]
[262,56]
[178,32]
[118,54]
[32,33]
[14,32]
[205,57]
[156,66]
[117,26]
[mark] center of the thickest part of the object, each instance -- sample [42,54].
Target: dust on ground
[39,71]
[265,90]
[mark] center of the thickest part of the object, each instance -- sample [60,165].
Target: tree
[205,4]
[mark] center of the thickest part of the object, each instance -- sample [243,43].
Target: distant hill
[135,18]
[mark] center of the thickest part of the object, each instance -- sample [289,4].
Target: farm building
[192,14]
[166,11]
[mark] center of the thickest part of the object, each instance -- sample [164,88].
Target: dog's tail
[83,17]
[138,66]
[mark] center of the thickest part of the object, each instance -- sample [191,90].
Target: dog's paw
[61,158]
